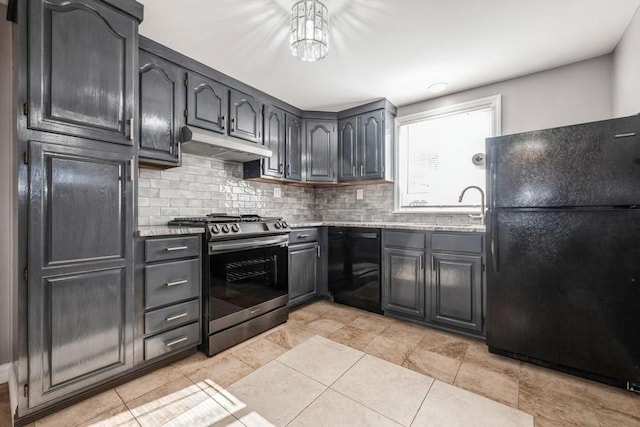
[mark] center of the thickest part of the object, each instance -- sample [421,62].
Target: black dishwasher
[354,267]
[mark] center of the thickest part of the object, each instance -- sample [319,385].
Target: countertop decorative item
[309,33]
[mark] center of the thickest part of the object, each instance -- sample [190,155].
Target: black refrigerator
[563,230]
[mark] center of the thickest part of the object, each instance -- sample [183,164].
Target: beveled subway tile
[388,349]
[333,409]
[147,383]
[501,387]
[352,336]
[289,336]
[83,411]
[370,323]
[389,389]
[323,326]
[167,402]
[258,353]
[446,405]
[435,365]
[555,406]
[223,370]
[404,332]
[120,417]
[321,359]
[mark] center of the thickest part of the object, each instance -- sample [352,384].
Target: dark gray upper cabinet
[80,281]
[456,290]
[347,148]
[371,145]
[162,100]
[403,283]
[274,139]
[365,144]
[293,150]
[82,69]
[321,151]
[245,113]
[207,103]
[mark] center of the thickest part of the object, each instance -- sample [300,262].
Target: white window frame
[492,102]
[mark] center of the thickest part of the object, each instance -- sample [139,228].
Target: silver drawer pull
[254,311]
[176,283]
[177,248]
[625,135]
[176,317]
[303,236]
[176,341]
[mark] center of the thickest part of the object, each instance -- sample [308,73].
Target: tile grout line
[422,403]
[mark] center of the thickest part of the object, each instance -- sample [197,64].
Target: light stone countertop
[166,230]
[393,225]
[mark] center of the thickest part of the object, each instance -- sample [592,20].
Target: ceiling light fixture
[438,87]
[309,30]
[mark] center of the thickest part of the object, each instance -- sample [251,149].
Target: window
[435,156]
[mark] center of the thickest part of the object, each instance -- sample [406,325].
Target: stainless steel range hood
[211,144]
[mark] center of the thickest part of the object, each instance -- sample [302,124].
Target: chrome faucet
[482,214]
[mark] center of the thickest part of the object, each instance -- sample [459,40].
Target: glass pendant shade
[309,30]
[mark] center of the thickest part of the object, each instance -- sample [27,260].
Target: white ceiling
[388,48]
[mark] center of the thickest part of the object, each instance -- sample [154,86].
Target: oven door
[247,278]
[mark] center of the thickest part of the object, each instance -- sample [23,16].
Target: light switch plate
[277,192]
[359,194]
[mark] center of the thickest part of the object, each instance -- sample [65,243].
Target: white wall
[626,71]
[571,94]
[8,190]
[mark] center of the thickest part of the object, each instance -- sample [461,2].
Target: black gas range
[244,276]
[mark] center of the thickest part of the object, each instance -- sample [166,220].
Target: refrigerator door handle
[494,241]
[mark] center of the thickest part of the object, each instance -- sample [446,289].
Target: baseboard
[4,373]
[13,391]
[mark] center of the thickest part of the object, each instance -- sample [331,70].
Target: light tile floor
[332,365]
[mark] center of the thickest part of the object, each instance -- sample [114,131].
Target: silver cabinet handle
[303,236]
[223,121]
[280,168]
[177,282]
[353,170]
[318,250]
[176,341]
[361,170]
[177,248]
[625,135]
[233,125]
[176,317]
[131,129]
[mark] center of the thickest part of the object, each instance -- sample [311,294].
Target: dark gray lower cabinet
[304,260]
[403,282]
[451,294]
[80,275]
[456,291]
[172,289]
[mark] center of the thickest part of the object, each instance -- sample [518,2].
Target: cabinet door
[321,151]
[347,147]
[207,103]
[80,289]
[246,117]
[370,145]
[404,282]
[82,69]
[456,291]
[293,151]
[303,266]
[274,139]
[161,109]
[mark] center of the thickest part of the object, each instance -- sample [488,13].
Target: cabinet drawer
[171,248]
[303,235]
[175,339]
[404,239]
[456,242]
[171,282]
[172,316]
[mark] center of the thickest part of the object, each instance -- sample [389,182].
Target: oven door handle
[242,244]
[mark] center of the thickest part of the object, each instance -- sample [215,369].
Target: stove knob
[235,228]
[278,225]
[215,229]
[225,228]
[284,224]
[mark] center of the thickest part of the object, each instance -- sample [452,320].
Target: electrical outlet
[277,192]
[359,194]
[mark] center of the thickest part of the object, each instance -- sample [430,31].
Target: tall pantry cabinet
[77,73]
